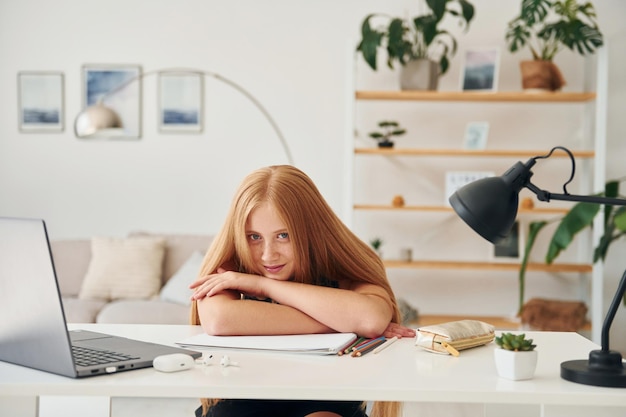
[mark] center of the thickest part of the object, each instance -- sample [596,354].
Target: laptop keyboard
[88,357]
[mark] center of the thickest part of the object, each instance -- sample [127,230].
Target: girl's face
[269,243]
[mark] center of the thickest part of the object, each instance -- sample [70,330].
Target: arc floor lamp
[99,117]
[489,206]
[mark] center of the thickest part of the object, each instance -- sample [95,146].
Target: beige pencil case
[453,336]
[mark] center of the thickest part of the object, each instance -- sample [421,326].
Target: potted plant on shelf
[377,244]
[420,45]
[546,27]
[577,219]
[515,357]
[388,130]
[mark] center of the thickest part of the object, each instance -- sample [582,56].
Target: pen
[368,347]
[386,344]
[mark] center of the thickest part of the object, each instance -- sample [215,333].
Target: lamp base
[603,369]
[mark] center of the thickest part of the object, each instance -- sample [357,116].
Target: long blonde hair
[324,248]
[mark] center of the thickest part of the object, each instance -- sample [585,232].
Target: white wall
[293,55]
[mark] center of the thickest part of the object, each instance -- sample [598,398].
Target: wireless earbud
[227,362]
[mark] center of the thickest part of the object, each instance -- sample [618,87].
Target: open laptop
[33,331]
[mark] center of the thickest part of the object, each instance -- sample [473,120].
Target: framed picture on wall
[181,98]
[118,87]
[41,101]
[510,248]
[480,70]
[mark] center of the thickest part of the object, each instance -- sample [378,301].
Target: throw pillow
[176,289]
[124,268]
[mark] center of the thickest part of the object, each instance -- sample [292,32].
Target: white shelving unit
[590,157]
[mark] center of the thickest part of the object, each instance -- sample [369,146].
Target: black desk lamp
[489,206]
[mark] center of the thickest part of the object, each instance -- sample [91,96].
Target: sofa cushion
[124,268]
[176,289]
[152,311]
[71,260]
[81,311]
[179,248]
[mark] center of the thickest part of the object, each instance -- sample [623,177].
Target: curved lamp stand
[99,117]
[489,206]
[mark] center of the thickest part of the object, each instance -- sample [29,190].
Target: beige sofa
[98,277]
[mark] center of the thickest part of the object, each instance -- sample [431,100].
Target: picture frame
[119,88]
[41,101]
[510,249]
[476,135]
[181,102]
[480,69]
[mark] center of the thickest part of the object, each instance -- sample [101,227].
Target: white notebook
[326,344]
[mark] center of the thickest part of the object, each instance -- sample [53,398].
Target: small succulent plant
[517,343]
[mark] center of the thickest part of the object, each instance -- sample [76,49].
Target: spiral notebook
[324,344]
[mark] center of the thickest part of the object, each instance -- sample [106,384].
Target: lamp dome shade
[488,205]
[94,119]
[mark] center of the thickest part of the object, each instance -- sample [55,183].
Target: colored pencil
[367,342]
[386,344]
[348,347]
[368,347]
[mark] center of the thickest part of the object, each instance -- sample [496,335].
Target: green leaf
[371,40]
[578,218]
[619,219]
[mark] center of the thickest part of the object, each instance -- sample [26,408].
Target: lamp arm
[218,77]
[543,195]
[610,315]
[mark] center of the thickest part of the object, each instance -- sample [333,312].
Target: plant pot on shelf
[385,144]
[538,75]
[419,74]
[515,365]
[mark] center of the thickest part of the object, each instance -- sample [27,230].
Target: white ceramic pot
[515,365]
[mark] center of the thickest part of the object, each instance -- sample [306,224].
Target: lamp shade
[489,206]
[94,119]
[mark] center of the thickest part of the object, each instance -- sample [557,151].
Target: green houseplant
[388,129]
[547,27]
[516,358]
[377,244]
[421,37]
[577,219]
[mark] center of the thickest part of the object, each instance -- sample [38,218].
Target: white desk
[401,372]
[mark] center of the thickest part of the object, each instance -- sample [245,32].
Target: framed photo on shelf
[181,98]
[476,135]
[41,101]
[118,87]
[480,69]
[510,248]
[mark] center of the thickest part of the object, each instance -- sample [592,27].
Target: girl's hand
[224,280]
[398,330]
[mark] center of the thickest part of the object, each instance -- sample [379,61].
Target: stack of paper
[328,343]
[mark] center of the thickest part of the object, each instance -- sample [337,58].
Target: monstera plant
[547,27]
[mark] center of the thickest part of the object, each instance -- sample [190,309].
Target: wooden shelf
[499,153]
[499,322]
[504,96]
[492,266]
[446,209]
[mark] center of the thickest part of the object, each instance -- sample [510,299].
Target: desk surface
[401,372]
